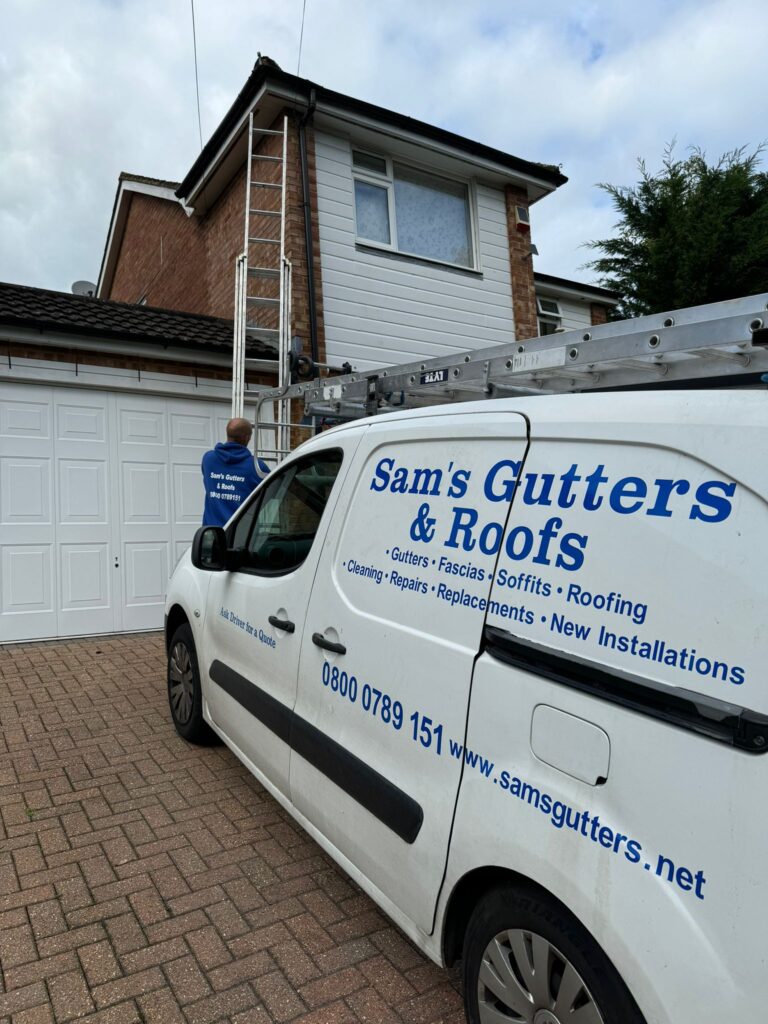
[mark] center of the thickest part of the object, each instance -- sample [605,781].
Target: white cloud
[91,87]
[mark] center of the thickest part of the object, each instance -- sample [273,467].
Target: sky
[89,88]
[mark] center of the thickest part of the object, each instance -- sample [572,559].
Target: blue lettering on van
[553,543]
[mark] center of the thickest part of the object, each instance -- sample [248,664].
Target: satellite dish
[84,288]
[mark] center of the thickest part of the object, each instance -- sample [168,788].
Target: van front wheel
[528,961]
[185,695]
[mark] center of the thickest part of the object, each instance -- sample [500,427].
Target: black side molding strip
[276,716]
[385,801]
[718,720]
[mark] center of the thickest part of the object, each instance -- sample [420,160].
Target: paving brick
[208,947]
[23,998]
[279,997]
[37,1015]
[187,980]
[131,987]
[70,996]
[99,963]
[46,919]
[160,1007]
[334,986]
[224,1005]
[17,946]
[149,874]
[40,970]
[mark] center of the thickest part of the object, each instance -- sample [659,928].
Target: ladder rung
[271,159]
[272,241]
[265,131]
[266,333]
[264,272]
[265,213]
[266,184]
[261,300]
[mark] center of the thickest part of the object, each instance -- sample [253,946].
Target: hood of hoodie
[232,453]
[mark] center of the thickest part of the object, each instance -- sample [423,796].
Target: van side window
[278,530]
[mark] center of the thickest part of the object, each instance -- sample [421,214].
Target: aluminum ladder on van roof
[262,271]
[722,343]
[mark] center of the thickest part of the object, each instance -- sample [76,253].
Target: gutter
[307,204]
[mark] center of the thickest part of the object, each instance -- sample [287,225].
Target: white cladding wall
[382,309]
[575,315]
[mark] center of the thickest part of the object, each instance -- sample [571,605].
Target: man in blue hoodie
[230,473]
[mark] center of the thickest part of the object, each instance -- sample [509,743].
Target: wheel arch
[466,894]
[176,617]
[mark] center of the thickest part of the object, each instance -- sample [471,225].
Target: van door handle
[284,624]
[328,645]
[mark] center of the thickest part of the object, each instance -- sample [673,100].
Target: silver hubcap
[523,978]
[182,687]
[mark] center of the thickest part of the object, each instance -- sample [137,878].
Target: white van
[506,663]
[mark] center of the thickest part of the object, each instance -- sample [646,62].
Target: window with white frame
[412,211]
[550,317]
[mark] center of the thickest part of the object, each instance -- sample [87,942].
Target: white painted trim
[54,339]
[546,290]
[118,379]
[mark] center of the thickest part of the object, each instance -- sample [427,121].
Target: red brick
[278,996]
[208,947]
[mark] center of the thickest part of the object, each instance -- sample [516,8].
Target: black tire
[185,696]
[529,930]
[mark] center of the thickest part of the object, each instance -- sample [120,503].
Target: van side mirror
[210,551]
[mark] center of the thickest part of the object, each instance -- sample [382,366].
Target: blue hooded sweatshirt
[230,473]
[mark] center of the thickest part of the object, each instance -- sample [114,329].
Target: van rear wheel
[185,696]
[528,961]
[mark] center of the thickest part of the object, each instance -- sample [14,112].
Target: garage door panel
[81,423]
[187,495]
[19,419]
[192,432]
[82,492]
[25,491]
[84,576]
[142,426]
[145,493]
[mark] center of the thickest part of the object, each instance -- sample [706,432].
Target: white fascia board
[545,290]
[117,224]
[490,167]
[224,149]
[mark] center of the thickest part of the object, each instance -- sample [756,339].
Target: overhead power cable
[301,35]
[197,81]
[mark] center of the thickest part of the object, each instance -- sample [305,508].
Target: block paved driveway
[142,879]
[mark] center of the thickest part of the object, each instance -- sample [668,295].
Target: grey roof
[44,310]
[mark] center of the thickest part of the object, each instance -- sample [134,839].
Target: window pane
[289,513]
[372,212]
[549,306]
[547,326]
[369,162]
[432,217]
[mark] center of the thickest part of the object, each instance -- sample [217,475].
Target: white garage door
[99,495]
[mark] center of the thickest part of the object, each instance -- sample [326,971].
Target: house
[106,410]
[405,240]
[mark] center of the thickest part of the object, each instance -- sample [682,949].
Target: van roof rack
[719,344]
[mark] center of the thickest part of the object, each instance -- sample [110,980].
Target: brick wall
[598,313]
[188,263]
[161,258]
[521,267]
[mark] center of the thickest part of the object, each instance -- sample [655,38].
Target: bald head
[239,431]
